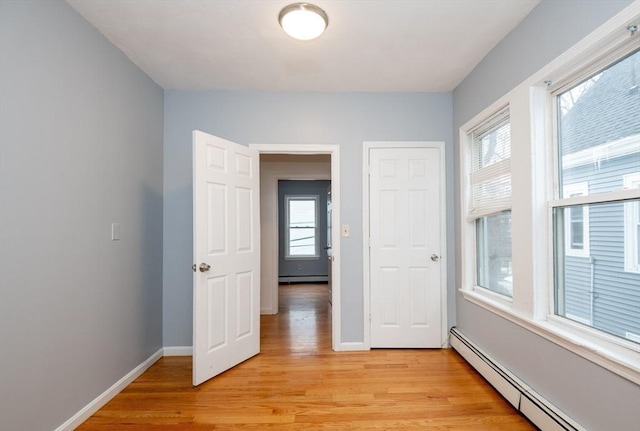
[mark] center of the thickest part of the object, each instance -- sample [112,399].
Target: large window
[489,206]
[595,226]
[550,226]
[301,223]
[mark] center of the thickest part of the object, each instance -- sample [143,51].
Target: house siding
[616,292]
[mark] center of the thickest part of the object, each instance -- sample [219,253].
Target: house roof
[607,111]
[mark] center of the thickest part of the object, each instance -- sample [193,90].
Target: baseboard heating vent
[537,409]
[304,279]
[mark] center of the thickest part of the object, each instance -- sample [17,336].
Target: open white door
[226,241]
[405,217]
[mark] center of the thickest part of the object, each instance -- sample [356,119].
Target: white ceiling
[370,45]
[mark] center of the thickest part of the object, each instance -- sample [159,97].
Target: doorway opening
[296,162]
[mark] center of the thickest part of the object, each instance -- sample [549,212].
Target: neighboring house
[600,129]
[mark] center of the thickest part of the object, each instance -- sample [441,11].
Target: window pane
[490,167]
[302,242]
[596,290]
[302,226]
[302,213]
[577,231]
[494,145]
[493,243]
[598,127]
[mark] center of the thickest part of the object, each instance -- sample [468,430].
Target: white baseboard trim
[178,351]
[87,411]
[267,312]
[351,347]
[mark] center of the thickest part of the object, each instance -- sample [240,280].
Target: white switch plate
[345,230]
[115,231]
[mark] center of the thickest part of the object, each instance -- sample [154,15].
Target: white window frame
[472,213]
[316,253]
[535,184]
[631,222]
[478,210]
[572,190]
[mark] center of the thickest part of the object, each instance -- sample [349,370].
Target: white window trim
[631,238]
[577,189]
[316,252]
[531,166]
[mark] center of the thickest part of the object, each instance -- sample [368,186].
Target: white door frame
[367,145]
[334,152]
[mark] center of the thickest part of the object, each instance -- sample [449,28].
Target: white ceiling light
[303,21]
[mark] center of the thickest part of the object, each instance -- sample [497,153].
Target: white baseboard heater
[538,410]
[304,279]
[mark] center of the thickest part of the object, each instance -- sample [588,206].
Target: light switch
[345,230]
[115,231]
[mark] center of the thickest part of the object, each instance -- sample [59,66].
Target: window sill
[577,253]
[618,356]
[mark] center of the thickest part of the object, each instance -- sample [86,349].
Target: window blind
[490,167]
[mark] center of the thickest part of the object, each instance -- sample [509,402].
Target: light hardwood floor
[298,383]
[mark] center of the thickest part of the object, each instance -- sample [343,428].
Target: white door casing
[405,240]
[226,237]
[329,246]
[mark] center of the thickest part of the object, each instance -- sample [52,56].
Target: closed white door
[404,199]
[226,239]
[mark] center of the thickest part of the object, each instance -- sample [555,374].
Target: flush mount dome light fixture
[303,21]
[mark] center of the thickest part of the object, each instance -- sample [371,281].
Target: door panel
[404,197]
[226,296]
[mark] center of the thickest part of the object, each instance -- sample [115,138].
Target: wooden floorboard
[298,383]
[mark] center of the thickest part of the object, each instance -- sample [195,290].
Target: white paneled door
[405,217]
[226,240]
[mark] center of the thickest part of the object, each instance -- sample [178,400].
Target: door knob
[434,257]
[204,267]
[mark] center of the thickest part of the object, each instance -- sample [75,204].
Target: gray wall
[595,397]
[345,119]
[302,267]
[81,147]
